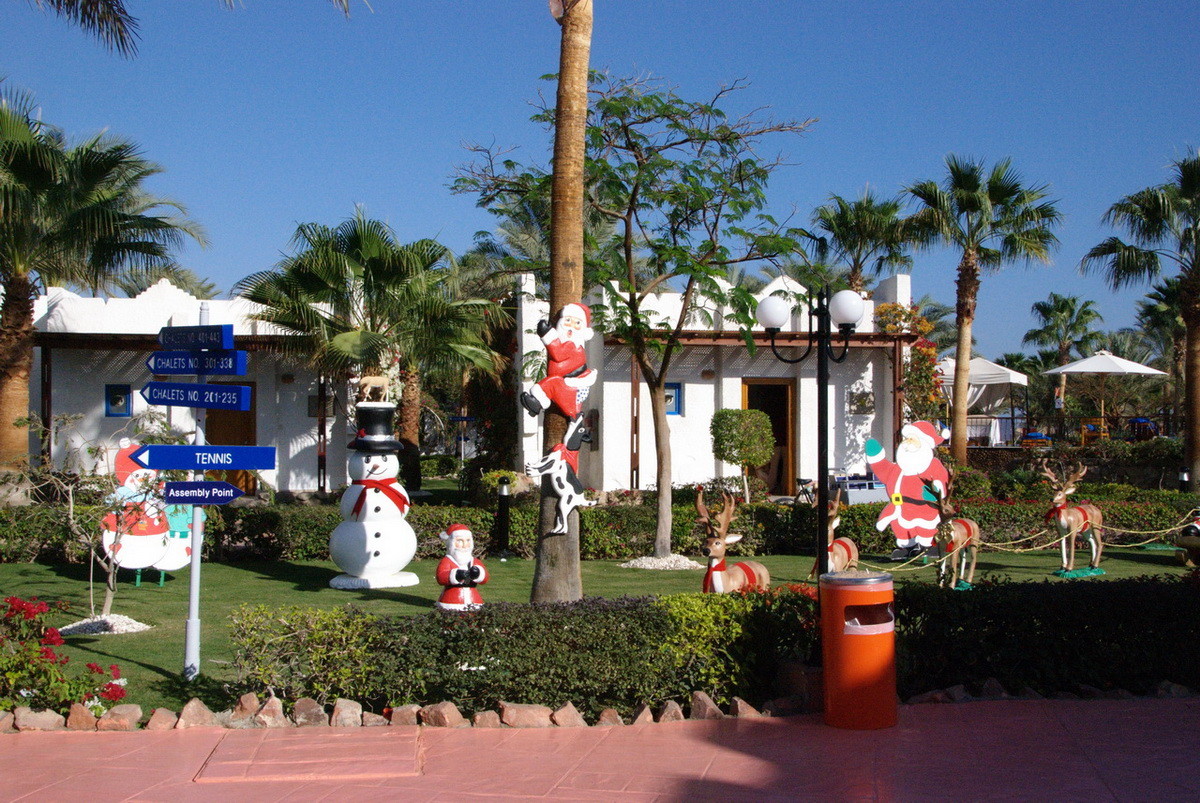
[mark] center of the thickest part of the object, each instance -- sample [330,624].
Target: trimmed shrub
[1127,634]
[595,653]
[439,465]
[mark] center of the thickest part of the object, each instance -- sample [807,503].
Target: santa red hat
[929,434]
[123,465]
[578,311]
[453,530]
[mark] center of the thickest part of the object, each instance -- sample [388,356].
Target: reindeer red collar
[718,579]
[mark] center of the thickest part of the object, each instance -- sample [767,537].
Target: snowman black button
[376,553]
[377,508]
[378,534]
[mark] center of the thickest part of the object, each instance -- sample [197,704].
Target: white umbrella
[1105,363]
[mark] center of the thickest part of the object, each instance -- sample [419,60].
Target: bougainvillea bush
[34,674]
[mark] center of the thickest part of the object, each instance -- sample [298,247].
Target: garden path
[1140,749]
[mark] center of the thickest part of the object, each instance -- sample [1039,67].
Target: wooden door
[234,428]
[776,398]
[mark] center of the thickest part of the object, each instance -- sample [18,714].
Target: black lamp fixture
[843,309]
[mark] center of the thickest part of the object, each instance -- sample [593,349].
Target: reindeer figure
[1074,521]
[372,388]
[843,553]
[718,579]
[958,540]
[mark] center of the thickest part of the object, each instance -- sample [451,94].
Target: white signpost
[209,347]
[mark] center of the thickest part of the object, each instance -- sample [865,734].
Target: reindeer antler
[1076,473]
[1056,482]
[701,510]
[725,517]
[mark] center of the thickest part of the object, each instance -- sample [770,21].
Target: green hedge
[596,653]
[1127,634]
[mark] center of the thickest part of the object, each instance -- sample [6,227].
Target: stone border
[250,712]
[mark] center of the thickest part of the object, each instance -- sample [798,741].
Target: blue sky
[282,111]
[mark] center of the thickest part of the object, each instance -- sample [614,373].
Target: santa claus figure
[911,482]
[135,529]
[568,379]
[459,571]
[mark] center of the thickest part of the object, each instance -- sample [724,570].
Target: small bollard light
[1184,477]
[503,517]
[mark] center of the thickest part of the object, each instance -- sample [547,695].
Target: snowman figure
[135,529]
[179,538]
[374,542]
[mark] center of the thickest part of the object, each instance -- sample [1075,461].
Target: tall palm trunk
[556,575]
[1191,389]
[16,362]
[968,293]
[408,427]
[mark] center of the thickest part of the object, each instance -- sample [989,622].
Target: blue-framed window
[117,401]
[674,393]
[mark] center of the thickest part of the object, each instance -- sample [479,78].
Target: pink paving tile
[270,755]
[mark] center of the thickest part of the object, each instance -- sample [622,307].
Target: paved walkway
[1143,749]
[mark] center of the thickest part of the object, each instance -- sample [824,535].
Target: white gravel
[103,625]
[670,563]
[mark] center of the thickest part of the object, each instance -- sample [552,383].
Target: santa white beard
[913,457]
[576,336]
[460,556]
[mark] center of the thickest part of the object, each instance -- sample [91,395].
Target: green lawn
[152,660]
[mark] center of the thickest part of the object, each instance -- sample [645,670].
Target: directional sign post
[200,493]
[204,458]
[192,363]
[197,337]
[209,397]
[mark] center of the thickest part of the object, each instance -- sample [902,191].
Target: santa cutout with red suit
[912,510]
[568,379]
[459,571]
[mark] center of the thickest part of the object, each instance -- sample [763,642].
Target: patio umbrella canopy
[989,386]
[1104,363]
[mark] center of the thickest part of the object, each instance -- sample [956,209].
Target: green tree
[1160,315]
[358,301]
[68,214]
[1065,324]
[685,188]
[992,218]
[1163,223]
[863,235]
[135,283]
[742,437]
[940,316]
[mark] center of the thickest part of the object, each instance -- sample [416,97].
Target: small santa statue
[135,530]
[568,378]
[912,510]
[460,572]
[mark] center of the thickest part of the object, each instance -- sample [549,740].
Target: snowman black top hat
[374,421]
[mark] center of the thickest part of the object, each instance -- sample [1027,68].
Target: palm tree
[940,317]
[111,23]
[993,219]
[359,301]
[1066,325]
[1163,223]
[1160,316]
[67,215]
[863,235]
[135,283]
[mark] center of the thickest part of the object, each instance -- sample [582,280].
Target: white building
[90,360]
[716,371]
[91,353]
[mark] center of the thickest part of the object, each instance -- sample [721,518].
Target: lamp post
[842,309]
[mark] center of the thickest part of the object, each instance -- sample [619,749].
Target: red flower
[116,672]
[112,692]
[49,654]
[52,637]
[95,668]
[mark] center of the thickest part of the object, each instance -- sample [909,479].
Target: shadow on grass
[316,578]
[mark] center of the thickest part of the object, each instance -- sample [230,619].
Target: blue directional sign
[200,493]
[197,337]
[210,397]
[191,363]
[162,457]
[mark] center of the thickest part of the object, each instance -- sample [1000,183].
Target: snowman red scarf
[390,488]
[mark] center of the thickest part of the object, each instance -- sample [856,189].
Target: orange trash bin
[858,648]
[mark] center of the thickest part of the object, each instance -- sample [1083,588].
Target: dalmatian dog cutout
[560,466]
